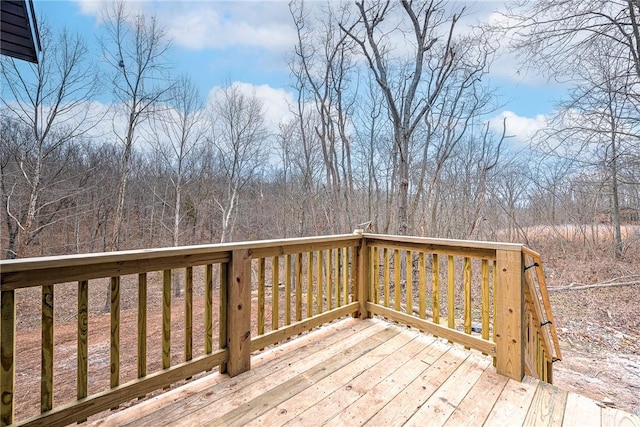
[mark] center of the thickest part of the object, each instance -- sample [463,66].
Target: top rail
[444,243]
[28,272]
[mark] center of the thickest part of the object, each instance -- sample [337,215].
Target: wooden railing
[240,298]
[541,340]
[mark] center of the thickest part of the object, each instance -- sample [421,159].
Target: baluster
[422,278]
[375,256]
[142,325]
[451,296]
[387,276]
[287,290]
[208,309]
[223,310]
[397,287]
[188,314]
[485,299]
[299,287]
[435,291]
[166,319]
[46,381]
[114,379]
[409,262]
[261,273]
[309,284]
[319,295]
[7,356]
[467,296]
[275,292]
[330,267]
[83,331]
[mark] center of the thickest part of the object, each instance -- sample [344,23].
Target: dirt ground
[599,333]
[598,328]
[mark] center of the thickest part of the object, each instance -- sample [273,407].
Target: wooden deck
[371,372]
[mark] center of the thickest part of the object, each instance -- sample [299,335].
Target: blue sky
[248,41]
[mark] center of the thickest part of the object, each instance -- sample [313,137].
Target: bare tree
[135,49]
[238,139]
[596,46]
[301,168]
[596,127]
[49,101]
[323,67]
[558,37]
[178,132]
[432,59]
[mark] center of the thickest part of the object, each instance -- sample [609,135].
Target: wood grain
[476,343]
[510,302]
[166,319]
[114,379]
[142,325]
[46,372]
[239,313]
[188,314]
[275,292]
[7,355]
[82,342]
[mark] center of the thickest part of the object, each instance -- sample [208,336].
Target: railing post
[239,313]
[509,321]
[362,277]
[7,356]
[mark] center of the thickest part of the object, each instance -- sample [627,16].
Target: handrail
[467,292]
[544,295]
[543,347]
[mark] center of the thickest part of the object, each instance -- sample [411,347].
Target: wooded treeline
[390,126]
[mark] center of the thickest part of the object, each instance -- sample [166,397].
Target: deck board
[377,396]
[548,406]
[581,412]
[320,402]
[479,402]
[439,407]
[251,402]
[372,372]
[180,402]
[403,405]
[513,404]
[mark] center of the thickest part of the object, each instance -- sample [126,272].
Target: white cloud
[522,129]
[206,25]
[207,29]
[97,8]
[276,101]
[90,7]
[199,25]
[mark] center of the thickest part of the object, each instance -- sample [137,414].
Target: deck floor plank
[513,403]
[581,412]
[349,391]
[180,402]
[486,390]
[280,374]
[616,418]
[547,407]
[376,397]
[402,407]
[439,407]
[355,372]
[250,402]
